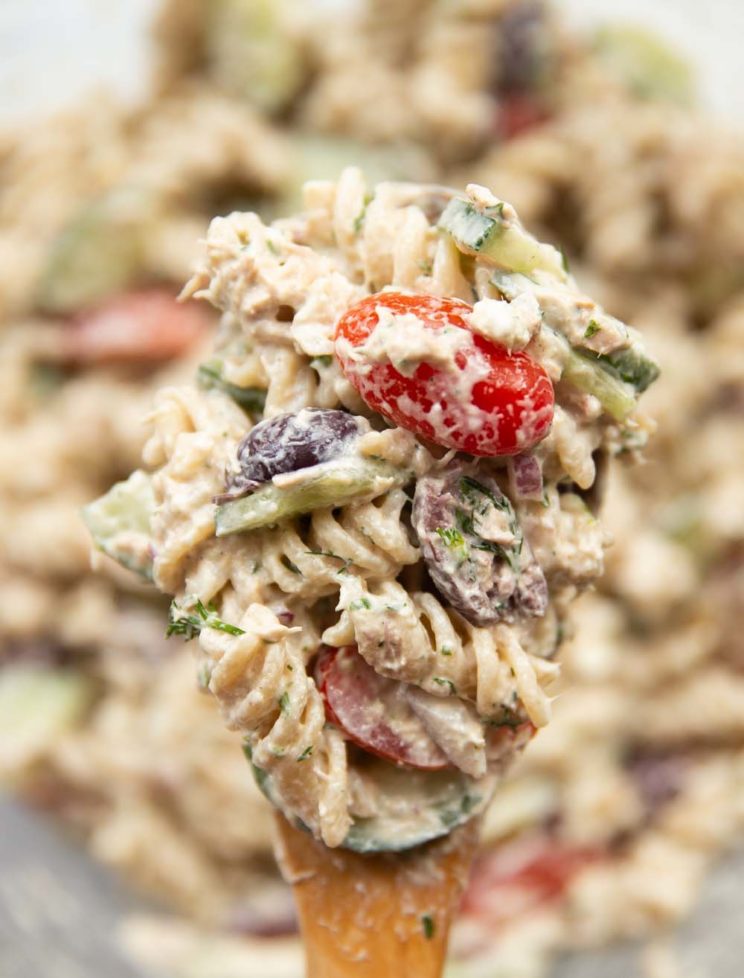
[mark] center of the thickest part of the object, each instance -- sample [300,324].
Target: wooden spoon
[380,915]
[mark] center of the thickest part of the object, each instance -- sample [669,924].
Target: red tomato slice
[520,875]
[507,409]
[373,711]
[138,327]
[518,114]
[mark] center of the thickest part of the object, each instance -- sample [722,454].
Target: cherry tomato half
[373,711]
[517,114]
[137,327]
[518,876]
[485,401]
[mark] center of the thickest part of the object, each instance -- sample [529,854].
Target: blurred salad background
[123,129]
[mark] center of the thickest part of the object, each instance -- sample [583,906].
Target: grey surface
[58,910]
[709,945]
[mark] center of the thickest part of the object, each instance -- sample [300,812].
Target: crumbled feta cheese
[511,324]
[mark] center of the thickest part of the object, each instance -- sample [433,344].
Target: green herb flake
[446,650]
[450,536]
[306,753]
[290,565]
[189,625]
[428,926]
[361,603]
[283,702]
[445,682]
[318,363]
[591,329]
[272,247]
[329,553]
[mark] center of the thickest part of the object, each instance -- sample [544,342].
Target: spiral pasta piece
[260,682]
[369,539]
[416,639]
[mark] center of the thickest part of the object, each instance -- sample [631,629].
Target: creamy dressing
[458,599]
[511,324]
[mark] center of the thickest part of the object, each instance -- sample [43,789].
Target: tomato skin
[149,326]
[359,702]
[521,875]
[510,404]
[518,113]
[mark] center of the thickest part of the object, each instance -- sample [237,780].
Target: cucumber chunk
[490,235]
[99,252]
[251,399]
[632,366]
[38,704]
[590,375]
[329,484]
[119,523]
[645,63]
[251,52]
[416,806]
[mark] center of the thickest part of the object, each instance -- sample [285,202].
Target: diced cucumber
[416,806]
[37,705]
[330,484]
[604,375]
[487,234]
[119,523]
[633,366]
[645,63]
[251,399]
[590,375]
[99,252]
[251,52]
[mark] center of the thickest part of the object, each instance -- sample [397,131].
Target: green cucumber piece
[99,252]
[419,805]
[632,366]
[330,484]
[251,53]
[590,375]
[645,63]
[38,704]
[487,234]
[251,399]
[119,523]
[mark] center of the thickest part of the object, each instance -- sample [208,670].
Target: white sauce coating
[282,289]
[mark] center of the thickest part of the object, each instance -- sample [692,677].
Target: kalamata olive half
[290,442]
[474,547]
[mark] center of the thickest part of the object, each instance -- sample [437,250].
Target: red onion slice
[525,476]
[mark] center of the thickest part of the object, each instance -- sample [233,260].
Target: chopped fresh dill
[189,624]
[445,682]
[345,561]
[428,925]
[290,565]
[591,329]
[306,753]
